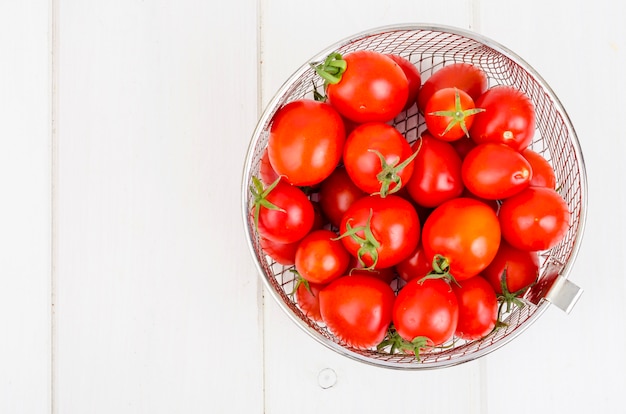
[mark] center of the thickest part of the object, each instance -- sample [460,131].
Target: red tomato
[306,295]
[436,173]
[478,308]
[495,171]
[377,158]
[519,267]
[282,212]
[535,219]
[336,195]
[449,114]
[282,253]
[372,88]
[543,173]
[306,141]
[416,266]
[380,231]
[466,232]
[508,118]
[266,172]
[427,310]
[463,146]
[413,76]
[464,76]
[386,274]
[357,309]
[321,258]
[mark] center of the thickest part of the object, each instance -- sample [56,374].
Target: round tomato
[416,266]
[372,87]
[464,76]
[386,274]
[543,173]
[357,309]
[321,258]
[306,296]
[426,309]
[519,268]
[449,114]
[282,212]
[336,195]
[495,171]
[378,158]
[436,173]
[508,118]
[266,171]
[306,141]
[413,76]
[535,219]
[282,253]
[466,232]
[381,232]
[478,308]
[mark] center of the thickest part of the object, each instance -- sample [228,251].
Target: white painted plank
[157,298]
[25,219]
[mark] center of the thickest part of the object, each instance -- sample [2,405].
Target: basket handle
[564,294]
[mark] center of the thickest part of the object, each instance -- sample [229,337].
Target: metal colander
[431,47]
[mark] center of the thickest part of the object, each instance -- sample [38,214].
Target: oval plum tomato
[508,118]
[426,309]
[306,141]
[413,76]
[321,258]
[282,212]
[478,308]
[495,171]
[466,232]
[436,173]
[369,86]
[416,266]
[520,269]
[357,309]
[543,173]
[535,219]
[306,296]
[449,114]
[281,253]
[464,76]
[381,232]
[378,158]
[336,195]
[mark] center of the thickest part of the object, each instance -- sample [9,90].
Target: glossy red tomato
[436,173]
[321,258]
[387,274]
[478,308]
[380,231]
[495,171]
[520,268]
[416,266]
[427,310]
[543,173]
[357,309]
[266,171]
[377,158]
[306,141]
[336,195]
[372,86]
[282,253]
[535,219]
[466,232]
[508,118]
[463,76]
[413,76]
[463,146]
[449,114]
[306,296]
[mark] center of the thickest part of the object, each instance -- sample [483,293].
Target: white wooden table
[125,282]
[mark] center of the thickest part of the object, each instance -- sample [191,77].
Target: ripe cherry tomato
[449,114]
[416,266]
[357,309]
[306,141]
[321,258]
[495,171]
[377,158]
[372,87]
[478,308]
[543,173]
[426,309]
[508,118]
[380,231]
[306,296]
[466,232]
[386,274]
[336,195]
[436,173]
[282,253]
[464,76]
[535,219]
[519,267]
[266,171]
[413,76]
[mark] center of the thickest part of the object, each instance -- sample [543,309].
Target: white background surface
[125,282]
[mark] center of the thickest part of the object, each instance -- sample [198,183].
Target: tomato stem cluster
[260,198]
[390,173]
[368,244]
[458,115]
[441,270]
[399,344]
[332,69]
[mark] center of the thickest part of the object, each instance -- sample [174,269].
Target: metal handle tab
[564,294]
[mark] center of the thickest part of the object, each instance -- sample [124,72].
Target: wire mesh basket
[430,48]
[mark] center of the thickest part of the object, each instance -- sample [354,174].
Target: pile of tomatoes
[453,221]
